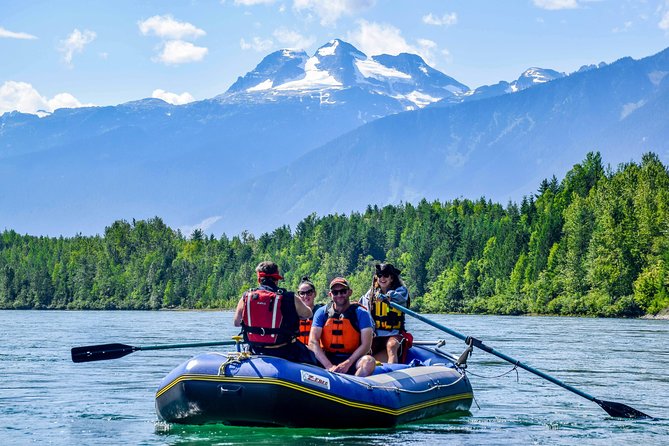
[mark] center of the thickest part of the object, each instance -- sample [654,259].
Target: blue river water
[47,399]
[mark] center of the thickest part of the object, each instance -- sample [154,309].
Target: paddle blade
[620,410]
[101,352]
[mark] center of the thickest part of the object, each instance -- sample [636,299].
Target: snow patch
[421,99]
[371,68]
[264,85]
[290,54]
[313,79]
[656,77]
[453,89]
[630,107]
[329,50]
[537,75]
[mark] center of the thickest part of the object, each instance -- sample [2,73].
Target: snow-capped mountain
[530,78]
[500,148]
[323,121]
[338,67]
[275,69]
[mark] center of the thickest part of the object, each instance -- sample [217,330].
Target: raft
[248,390]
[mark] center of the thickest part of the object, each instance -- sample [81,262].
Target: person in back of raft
[341,333]
[270,317]
[388,322]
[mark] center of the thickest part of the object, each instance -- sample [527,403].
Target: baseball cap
[339,281]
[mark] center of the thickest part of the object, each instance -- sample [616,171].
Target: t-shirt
[364,318]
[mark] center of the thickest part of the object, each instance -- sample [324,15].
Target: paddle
[114,351]
[612,408]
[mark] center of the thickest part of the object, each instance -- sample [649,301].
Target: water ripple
[46,399]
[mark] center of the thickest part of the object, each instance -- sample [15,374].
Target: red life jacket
[341,332]
[262,317]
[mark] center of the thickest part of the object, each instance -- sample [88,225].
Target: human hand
[342,367]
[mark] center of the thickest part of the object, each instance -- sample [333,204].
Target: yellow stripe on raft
[327,396]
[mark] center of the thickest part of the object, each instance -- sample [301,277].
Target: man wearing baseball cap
[341,333]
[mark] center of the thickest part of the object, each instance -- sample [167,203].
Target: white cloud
[256,44]
[65,100]
[75,43]
[664,22]
[621,29]
[447,55]
[329,11]
[204,225]
[293,39]
[173,98]
[377,38]
[445,20]
[14,35]
[23,97]
[425,50]
[177,52]
[167,28]
[555,4]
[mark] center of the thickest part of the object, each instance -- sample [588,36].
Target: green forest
[595,243]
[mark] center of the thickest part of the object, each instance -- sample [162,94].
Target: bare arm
[303,311]
[238,313]
[315,346]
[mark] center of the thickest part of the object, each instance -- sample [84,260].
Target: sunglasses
[339,292]
[305,293]
[382,274]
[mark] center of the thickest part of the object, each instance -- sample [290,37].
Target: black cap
[387,268]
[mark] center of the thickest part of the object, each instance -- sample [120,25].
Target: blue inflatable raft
[248,390]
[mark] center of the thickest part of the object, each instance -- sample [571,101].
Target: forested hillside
[595,243]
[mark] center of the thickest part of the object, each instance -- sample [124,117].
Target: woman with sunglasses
[306,291]
[388,322]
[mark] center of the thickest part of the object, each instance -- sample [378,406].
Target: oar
[113,351]
[612,408]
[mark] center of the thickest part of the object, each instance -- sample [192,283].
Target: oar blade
[620,410]
[101,352]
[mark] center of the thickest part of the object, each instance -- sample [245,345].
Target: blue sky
[87,52]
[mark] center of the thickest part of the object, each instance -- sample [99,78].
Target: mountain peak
[338,47]
[276,68]
[533,76]
[338,66]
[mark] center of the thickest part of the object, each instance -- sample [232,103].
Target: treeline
[595,243]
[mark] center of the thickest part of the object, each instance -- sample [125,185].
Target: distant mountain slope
[78,170]
[530,78]
[500,147]
[81,169]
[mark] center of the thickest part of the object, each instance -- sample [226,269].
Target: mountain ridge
[475,149]
[78,170]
